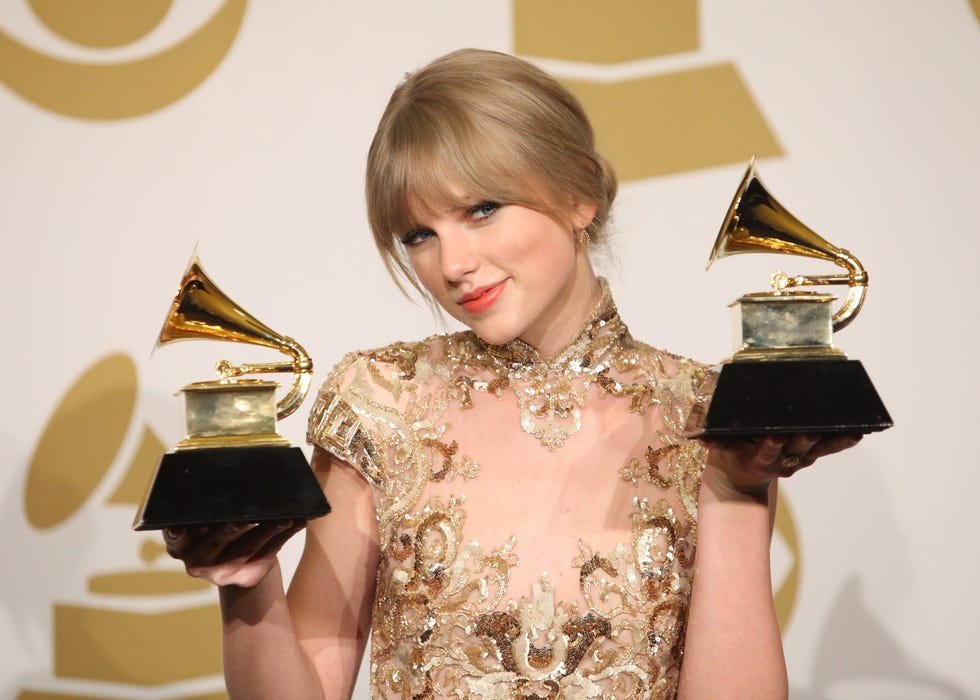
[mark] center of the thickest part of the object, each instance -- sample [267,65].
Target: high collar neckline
[600,330]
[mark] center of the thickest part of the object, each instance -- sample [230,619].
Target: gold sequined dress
[536,515]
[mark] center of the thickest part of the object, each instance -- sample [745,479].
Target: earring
[582,238]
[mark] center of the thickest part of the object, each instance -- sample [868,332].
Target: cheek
[554,249]
[426,272]
[543,245]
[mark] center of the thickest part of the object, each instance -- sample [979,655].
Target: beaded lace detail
[552,392]
[536,515]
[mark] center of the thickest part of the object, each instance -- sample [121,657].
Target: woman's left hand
[748,465]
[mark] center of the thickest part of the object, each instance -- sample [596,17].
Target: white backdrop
[876,105]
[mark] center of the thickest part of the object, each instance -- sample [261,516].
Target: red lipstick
[482,298]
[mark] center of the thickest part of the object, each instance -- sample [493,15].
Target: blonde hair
[492,125]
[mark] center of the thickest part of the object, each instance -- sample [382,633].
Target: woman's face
[506,271]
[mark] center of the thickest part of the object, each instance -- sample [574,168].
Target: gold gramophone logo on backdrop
[654,122]
[101,90]
[135,630]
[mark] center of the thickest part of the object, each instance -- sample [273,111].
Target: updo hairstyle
[491,127]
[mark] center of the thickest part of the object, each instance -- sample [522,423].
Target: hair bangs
[439,161]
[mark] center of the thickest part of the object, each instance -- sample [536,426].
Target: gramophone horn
[200,310]
[757,223]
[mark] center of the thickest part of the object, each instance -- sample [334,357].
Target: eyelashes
[416,236]
[483,210]
[477,213]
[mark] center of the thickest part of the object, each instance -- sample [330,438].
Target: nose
[457,255]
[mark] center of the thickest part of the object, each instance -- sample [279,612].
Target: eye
[416,236]
[483,210]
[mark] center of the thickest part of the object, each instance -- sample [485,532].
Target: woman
[516,511]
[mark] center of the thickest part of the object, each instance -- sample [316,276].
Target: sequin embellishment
[446,623]
[552,391]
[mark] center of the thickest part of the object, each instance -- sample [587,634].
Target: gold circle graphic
[80,441]
[101,23]
[119,90]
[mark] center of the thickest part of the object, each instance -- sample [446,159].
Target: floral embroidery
[445,623]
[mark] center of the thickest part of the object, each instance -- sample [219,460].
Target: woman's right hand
[232,554]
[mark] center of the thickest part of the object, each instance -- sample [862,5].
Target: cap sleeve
[336,427]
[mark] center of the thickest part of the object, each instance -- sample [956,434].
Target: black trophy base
[231,484]
[790,396]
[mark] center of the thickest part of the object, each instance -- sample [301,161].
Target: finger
[255,540]
[823,446]
[203,543]
[799,445]
[735,453]
[756,454]
[174,539]
[275,543]
[245,560]
[796,453]
[831,444]
[771,448]
[746,463]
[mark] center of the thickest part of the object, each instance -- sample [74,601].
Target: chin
[494,336]
[496,339]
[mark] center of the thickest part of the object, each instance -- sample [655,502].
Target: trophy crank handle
[780,280]
[226,370]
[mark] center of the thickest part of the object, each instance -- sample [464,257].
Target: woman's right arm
[309,643]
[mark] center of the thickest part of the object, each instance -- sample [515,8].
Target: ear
[584,214]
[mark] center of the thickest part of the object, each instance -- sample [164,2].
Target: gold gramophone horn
[201,310]
[757,223]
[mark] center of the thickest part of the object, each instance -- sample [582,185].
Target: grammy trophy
[232,466]
[786,376]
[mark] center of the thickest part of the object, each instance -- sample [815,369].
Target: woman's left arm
[733,647]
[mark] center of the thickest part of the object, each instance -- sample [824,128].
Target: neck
[575,307]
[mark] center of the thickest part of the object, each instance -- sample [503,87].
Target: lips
[482,298]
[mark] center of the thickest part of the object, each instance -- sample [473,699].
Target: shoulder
[367,394]
[396,365]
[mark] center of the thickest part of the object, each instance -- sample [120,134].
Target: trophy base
[789,396]
[231,484]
